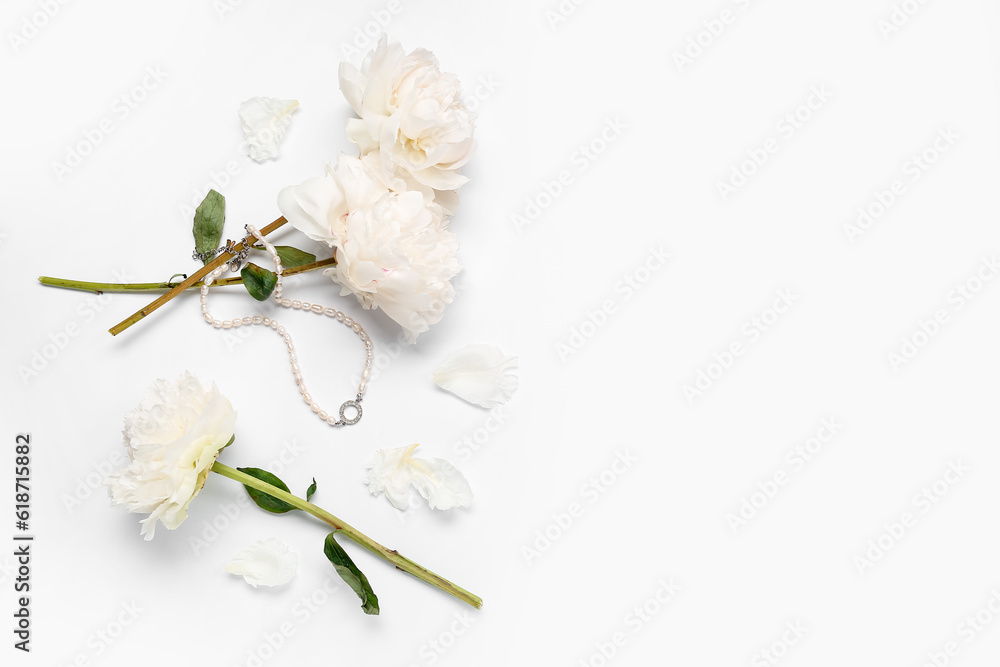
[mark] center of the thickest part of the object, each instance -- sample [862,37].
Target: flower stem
[223,257]
[167,286]
[401,562]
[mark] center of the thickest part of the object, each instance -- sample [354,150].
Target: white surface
[676,133]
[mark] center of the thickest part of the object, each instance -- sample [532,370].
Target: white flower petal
[394,251]
[385,475]
[414,115]
[395,470]
[479,374]
[268,562]
[173,438]
[441,483]
[265,121]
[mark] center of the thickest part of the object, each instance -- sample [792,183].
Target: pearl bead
[319,309]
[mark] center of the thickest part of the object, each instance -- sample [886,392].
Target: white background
[544,88]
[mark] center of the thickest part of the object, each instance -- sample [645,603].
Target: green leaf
[311,490]
[350,573]
[291,257]
[209,218]
[263,500]
[259,282]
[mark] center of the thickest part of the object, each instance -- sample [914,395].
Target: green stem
[401,562]
[139,288]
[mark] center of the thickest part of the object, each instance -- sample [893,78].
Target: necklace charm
[356,404]
[293,359]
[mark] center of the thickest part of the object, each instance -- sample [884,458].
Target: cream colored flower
[411,115]
[173,438]
[478,373]
[393,250]
[265,121]
[268,562]
[437,480]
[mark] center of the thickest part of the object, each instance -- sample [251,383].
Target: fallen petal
[268,562]
[265,121]
[394,471]
[441,483]
[479,374]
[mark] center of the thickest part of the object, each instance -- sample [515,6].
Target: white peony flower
[173,438]
[479,374]
[437,480]
[268,562]
[411,115]
[393,250]
[265,121]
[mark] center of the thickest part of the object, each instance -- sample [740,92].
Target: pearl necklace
[355,403]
